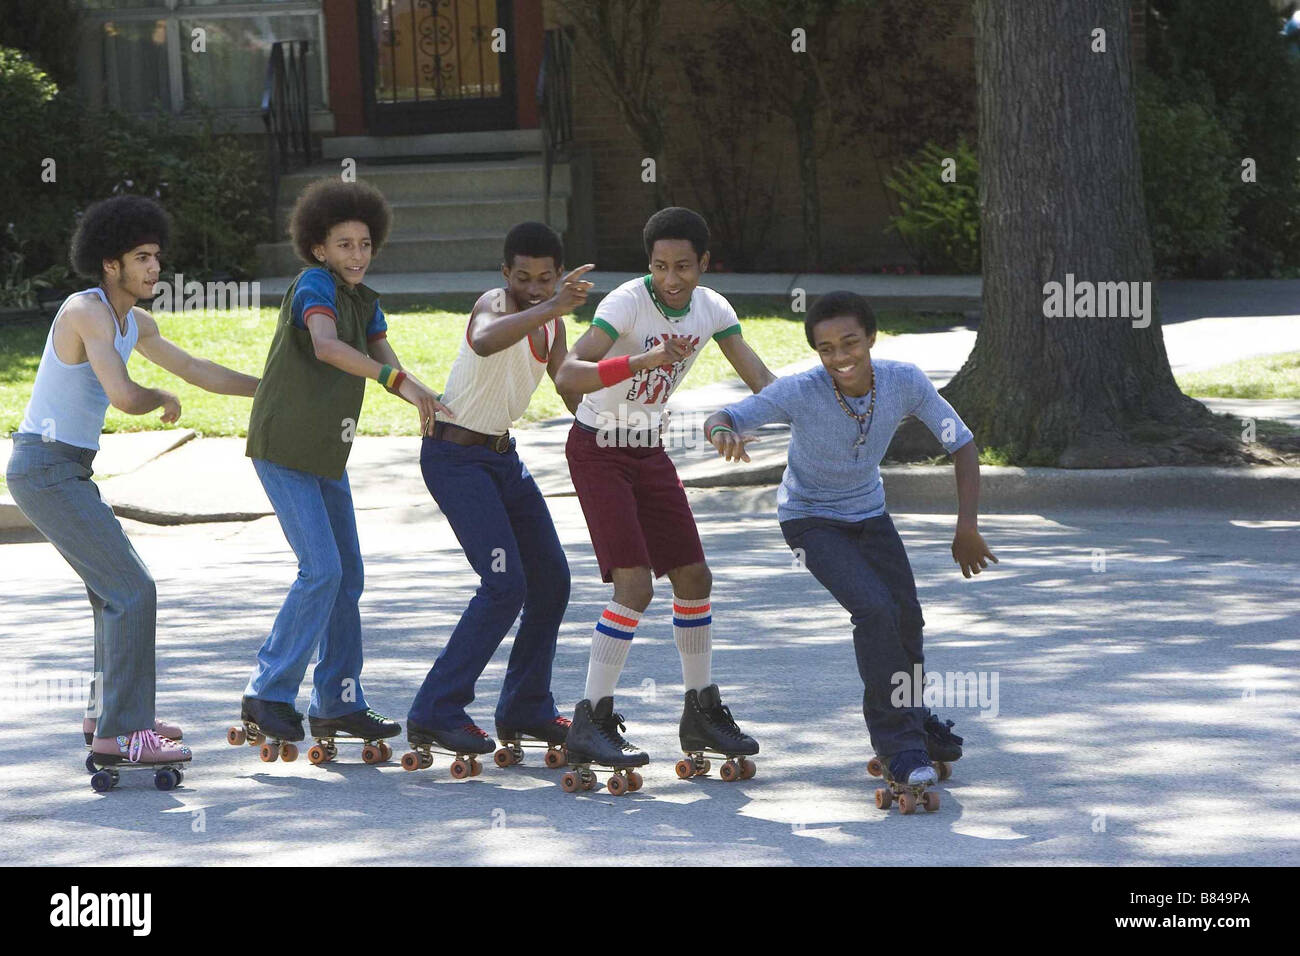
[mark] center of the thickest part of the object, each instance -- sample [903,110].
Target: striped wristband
[385,376]
[714,430]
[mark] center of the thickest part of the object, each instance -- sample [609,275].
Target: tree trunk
[1061,193]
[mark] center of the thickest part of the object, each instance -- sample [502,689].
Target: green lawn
[426,342]
[1264,376]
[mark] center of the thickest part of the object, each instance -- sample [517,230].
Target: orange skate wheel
[943,769]
[729,771]
[555,758]
[257,740]
[459,769]
[635,781]
[503,758]
[236,736]
[569,782]
[747,769]
[874,768]
[930,800]
[618,785]
[317,755]
[883,798]
[906,804]
[370,754]
[288,753]
[475,768]
[269,753]
[410,760]
[685,769]
[385,751]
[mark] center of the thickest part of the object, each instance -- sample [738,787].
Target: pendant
[862,440]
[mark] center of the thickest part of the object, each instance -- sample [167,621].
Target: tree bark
[1061,193]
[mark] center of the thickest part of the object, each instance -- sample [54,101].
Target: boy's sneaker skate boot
[163,728]
[272,724]
[551,733]
[594,738]
[707,727]
[363,726]
[909,776]
[142,749]
[465,743]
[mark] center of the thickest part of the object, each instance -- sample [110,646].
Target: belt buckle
[501,444]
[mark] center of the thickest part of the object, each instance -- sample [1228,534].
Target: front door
[437,66]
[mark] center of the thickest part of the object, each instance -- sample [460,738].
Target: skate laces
[476,731]
[608,725]
[564,722]
[139,740]
[722,715]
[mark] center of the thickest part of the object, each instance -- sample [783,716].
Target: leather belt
[446,431]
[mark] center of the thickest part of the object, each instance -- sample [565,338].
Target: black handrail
[286,114]
[555,104]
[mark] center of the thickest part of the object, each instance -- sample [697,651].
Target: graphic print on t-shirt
[652,386]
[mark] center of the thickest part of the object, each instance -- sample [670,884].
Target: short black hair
[326,203]
[111,228]
[676,222]
[832,305]
[536,240]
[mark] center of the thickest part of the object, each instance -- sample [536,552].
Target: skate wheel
[503,758]
[288,753]
[930,800]
[747,769]
[102,781]
[634,781]
[256,740]
[459,769]
[729,771]
[475,768]
[569,782]
[906,804]
[555,758]
[180,777]
[874,768]
[617,785]
[165,779]
[236,736]
[943,769]
[371,754]
[685,769]
[317,755]
[90,763]
[269,753]
[385,751]
[411,761]
[883,799]
[426,761]
[704,768]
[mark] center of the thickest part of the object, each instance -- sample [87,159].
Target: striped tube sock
[692,622]
[609,646]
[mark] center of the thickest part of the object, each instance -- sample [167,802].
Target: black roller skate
[707,727]
[465,743]
[272,724]
[551,734]
[595,738]
[943,746]
[361,726]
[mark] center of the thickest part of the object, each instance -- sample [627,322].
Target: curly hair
[676,222]
[111,228]
[535,240]
[326,203]
[841,303]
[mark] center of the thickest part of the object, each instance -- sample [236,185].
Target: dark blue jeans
[865,568]
[501,521]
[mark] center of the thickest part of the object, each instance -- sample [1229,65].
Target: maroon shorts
[635,506]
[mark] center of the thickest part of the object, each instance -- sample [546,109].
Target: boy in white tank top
[514,335]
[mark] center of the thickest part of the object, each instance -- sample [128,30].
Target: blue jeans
[320,610]
[865,568]
[501,521]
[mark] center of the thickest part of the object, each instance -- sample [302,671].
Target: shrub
[940,221]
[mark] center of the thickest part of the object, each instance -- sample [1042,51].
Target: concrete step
[432,182]
[467,251]
[412,220]
[509,141]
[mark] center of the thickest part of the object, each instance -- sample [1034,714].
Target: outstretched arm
[207,375]
[746,362]
[968,547]
[581,373]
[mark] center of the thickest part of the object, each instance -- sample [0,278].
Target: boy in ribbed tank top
[514,335]
[330,337]
[82,371]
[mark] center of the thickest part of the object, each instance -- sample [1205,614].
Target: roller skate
[142,750]
[162,728]
[361,726]
[594,738]
[908,776]
[550,734]
[466,744]
[943,746]
[270,724]
[707,727]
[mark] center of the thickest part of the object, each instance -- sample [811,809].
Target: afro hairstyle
[111,228]
[326,203]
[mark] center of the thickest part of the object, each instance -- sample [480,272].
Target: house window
[139,55]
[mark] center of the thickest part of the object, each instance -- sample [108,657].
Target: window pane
[232,73]
[129,63]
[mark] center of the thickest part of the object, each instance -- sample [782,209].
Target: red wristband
[614,370]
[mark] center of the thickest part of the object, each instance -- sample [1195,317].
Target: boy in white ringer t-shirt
[634,503]
[514,335]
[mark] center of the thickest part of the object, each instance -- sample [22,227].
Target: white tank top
[68,402]
[488,393]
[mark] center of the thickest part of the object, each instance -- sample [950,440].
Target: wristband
[714,429]
[398,379]
[385,375]
[614,370]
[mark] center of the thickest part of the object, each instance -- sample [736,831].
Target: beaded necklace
[861,419]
